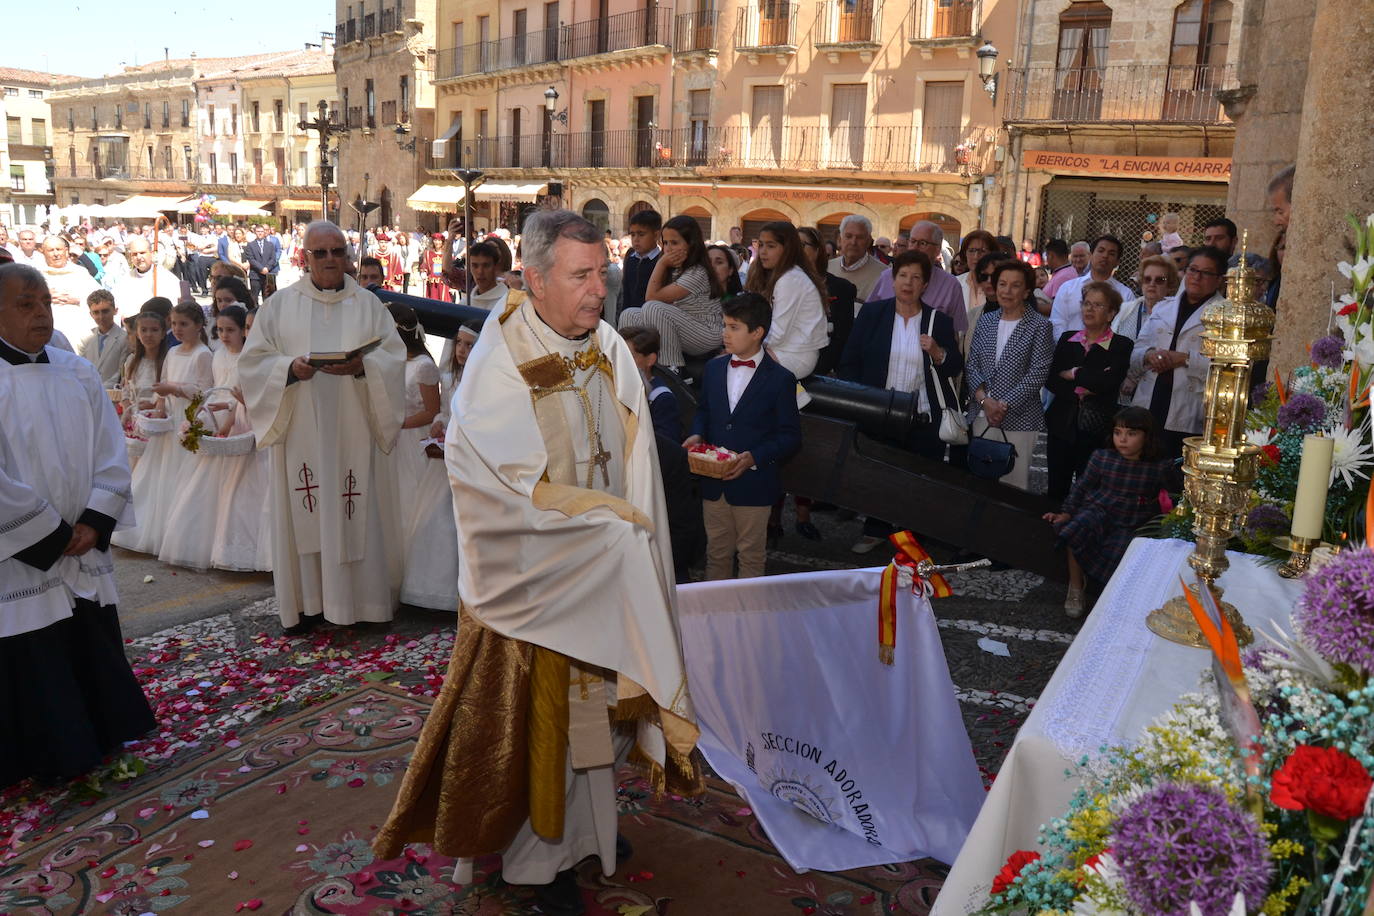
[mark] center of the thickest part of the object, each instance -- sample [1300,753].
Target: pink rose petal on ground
[233,875]
[302,848]
[206,844]
[147,812]
[241,845]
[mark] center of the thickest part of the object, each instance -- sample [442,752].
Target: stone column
[1334,177]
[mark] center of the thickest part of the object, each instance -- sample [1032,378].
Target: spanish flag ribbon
[902,572]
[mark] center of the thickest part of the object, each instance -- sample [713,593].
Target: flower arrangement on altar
[1328,397]
[1191,821]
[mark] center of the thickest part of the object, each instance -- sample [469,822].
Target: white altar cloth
[798,713]
[1114,680]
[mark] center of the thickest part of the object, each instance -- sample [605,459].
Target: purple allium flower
[1186,843]
[1260,391]
[1328,352]
[1265,520]
[1303,411]
[1336,612]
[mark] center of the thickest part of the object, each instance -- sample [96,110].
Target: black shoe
[561,897]
[774,536]
[623,849]
[808,531]
[304,625]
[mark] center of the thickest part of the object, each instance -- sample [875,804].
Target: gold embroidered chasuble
[568,622]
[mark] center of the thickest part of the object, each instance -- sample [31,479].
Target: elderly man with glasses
[323,377]
[1168,353]
[943,292]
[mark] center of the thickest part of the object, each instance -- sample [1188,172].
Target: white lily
[1362,351]
[1350,455]
[1359,272]
[1342,302]
[1259,437]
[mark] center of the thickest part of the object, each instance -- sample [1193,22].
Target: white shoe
[1073,603]
[866,544]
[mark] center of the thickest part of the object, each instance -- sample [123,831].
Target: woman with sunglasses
[1158,281]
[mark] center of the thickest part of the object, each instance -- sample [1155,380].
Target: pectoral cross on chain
[601,459]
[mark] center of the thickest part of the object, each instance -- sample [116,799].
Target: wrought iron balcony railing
[937,20]
[1120,92]
[696,31]
[621,32]
[767,25]
[841,22]
[807,148]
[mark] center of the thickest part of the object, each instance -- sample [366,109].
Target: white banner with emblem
[847,762]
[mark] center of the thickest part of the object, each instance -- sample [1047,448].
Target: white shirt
[1067,312]
[905,363]
[737,378]
[1005,329]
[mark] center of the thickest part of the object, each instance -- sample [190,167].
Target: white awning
[241,207]
[436,198]
[143,206]
[438,148]
[525,193]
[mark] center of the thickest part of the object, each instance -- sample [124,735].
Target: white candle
[1314,478]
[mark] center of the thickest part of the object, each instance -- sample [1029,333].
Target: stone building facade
[1114,116]
[383,59]
[26,147]
[734,113]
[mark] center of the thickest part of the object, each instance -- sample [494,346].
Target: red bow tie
[737,363]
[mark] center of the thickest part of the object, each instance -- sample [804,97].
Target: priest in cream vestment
[336,531]
[567,660]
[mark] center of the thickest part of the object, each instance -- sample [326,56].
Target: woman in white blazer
[1170,348]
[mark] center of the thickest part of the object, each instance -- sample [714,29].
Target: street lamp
[401,131]
[987,69]
[551,102]
[468,177]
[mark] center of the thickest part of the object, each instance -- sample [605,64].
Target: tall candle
[1314,479]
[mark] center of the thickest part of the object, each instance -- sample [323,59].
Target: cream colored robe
[586,572]
[336,531]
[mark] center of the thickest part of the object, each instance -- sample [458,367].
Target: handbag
[990,459]
[953,426]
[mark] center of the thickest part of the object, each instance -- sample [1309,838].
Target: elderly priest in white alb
[336,530]
[67,694]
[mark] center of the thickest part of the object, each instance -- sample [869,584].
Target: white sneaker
[866,544]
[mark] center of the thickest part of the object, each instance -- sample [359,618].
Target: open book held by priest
[339,357]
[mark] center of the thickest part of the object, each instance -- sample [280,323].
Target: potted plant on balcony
[963,153]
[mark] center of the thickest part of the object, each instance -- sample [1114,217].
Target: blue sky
[94,37]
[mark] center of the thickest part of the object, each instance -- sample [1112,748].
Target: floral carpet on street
[277,758]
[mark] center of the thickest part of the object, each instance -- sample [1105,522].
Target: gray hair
[1083,245]
[322,225]
[545,227]
[29,277]
[58,239]
[937,235]
[857,219]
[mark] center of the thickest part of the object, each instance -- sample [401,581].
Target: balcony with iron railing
[767,27]
[696,32]
[641,28]
[944,23]
[848,25]
[1119,93]
[102,172]
[369,25]
[889,150]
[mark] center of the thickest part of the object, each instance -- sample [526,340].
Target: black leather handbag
[989,458]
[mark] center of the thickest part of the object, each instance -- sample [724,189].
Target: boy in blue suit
[749,405]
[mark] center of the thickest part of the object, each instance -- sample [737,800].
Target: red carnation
[1323,780]
[1019,860]
[1347,310]
[1271,453]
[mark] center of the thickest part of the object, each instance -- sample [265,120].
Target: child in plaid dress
[1117,494]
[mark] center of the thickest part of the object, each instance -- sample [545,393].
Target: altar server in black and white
[67,694]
